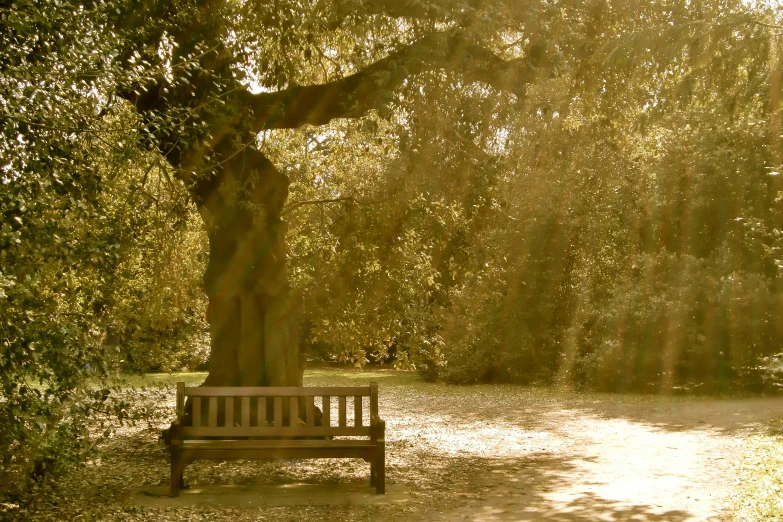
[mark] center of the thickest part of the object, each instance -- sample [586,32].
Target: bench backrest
[268,411]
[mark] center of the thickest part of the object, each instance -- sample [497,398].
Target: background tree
[535,219]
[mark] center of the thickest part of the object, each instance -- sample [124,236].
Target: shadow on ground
[262,496]
[511,453]
[540,488]
[675,414]
[490,453]
[455,488]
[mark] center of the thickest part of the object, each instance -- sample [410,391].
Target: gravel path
[453,453]
[651,460]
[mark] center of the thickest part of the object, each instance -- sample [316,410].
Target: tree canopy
[581,192]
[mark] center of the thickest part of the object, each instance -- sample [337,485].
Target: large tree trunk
[253,316]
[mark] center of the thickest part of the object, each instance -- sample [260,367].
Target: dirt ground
[667,460]
[493,453]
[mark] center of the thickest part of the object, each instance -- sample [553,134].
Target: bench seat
[278,449]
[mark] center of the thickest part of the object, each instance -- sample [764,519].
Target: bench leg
[372,473]
[177,470]
[175,478]
[378,472]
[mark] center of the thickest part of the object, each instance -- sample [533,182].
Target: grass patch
[162,379]
[330,376]
[317,376]
[760,473]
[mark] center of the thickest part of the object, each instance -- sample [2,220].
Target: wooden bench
[262,427]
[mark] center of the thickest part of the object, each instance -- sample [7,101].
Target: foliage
[654,276]
[80,232]
[157,312]
[772,370]
[760,477]
[620,230]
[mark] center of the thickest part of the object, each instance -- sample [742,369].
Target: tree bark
[253,317]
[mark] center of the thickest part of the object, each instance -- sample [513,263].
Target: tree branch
[407,9]
[440,10]
[354,96]
[297,204]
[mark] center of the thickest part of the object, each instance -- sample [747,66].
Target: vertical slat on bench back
[196,412]
[180,399]
[294,411]
[261,411]
[212,412]
[357,411]
[374,400]
[326,407]
[278,412]
[245,414]
[310,411]
[229,421]
[341,410]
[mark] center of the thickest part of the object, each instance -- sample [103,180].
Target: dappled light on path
[483,453]
[512,453]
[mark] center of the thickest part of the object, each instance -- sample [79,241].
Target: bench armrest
[175,433]
[377,428]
